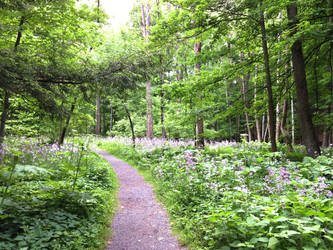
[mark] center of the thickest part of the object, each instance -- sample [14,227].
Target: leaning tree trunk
[200,140]
[65,128]
[131,124]
[302,104]
[271,112]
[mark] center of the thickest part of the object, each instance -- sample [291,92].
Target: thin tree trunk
[271,112]
[145,19]
[292,121]
[277,125]
[64,129]
[284,130]
[245,80]
[131,124]
[267,130]
[229,119]
[4,116]
[149,132]
[302,104]
[263,128]
[162,107]
[98,113]
[111,115]
[103,122]
[200,140]
[258,128]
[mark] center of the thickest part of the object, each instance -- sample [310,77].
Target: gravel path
[140,223]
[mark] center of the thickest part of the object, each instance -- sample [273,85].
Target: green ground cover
[241,196]
[54,198]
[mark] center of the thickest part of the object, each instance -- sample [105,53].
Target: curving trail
[140,223]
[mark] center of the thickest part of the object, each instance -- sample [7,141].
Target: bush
[244,197]
[54,198]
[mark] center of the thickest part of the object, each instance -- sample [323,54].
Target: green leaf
[287,233]
[315,228]
[272,242]
[316,241]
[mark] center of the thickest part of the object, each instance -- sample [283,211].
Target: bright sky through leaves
[117,10]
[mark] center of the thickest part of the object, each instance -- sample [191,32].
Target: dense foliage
[242,195]
[54,198]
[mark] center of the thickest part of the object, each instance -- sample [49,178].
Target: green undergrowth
[242,196]
[55,198]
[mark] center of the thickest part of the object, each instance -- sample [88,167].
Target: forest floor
[140,223]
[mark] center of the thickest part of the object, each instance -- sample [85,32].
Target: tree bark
[131,124]
[200,140]
[292,121]
[328,128]
[302,104]
[277,125]
[149,132]
[145,25]
[64,129]
[263,128]
[111,115]
[246,105]
[162,107]
[98,113]
[271,112]
[4,116]
[258,128]
[284,130]
[6,103]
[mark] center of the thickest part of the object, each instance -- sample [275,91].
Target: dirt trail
[140,223]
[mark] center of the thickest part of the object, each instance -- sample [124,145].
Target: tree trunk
[64,129]
[6,103]
[4,116]
[328,128]
[131,124]
[284,130]
[162,107]
[258,128]
[277,125]
[263,128]
[145,25]
[200,140]
[302,105]
[246,106]
[271,112]
[229,119]
[292,121]
[111,115]
[98,113]
[149,132]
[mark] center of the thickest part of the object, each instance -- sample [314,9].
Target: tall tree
[271,112]
[303,107]
[145,25]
